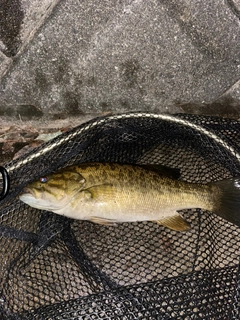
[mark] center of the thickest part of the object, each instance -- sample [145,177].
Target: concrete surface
[64,61]
[68,58]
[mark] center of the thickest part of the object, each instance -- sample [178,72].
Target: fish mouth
[27,191]
[28,196]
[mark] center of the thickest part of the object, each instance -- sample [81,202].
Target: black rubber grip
[5,184]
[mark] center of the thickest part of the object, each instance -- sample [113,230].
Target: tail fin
[227,200]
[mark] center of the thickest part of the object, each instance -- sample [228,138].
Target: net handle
[5,184]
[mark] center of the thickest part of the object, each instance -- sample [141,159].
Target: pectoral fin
[175,222]
[102,192]
[106,222]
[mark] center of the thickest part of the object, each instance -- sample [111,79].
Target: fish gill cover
[53,267]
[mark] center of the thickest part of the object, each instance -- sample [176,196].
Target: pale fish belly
[130,205]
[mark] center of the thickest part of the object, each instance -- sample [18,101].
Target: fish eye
[43,179]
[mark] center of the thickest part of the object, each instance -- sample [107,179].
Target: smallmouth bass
[108,193]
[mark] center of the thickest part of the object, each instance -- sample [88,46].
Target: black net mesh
[57,268]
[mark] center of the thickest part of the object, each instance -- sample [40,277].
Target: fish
[111,193]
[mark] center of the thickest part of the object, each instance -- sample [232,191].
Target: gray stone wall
[62,59]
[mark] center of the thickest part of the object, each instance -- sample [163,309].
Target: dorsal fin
[162,170]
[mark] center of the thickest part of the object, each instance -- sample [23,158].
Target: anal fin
[175,222]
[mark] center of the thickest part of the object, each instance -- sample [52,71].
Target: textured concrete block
[94,57]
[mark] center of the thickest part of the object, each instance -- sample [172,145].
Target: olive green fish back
[57,268]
